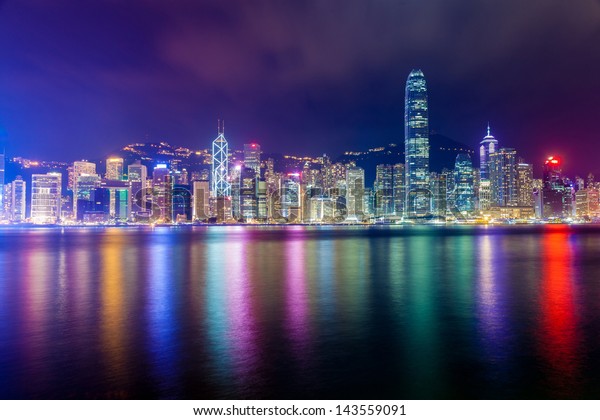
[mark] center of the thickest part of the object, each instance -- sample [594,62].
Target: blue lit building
[464,184]
[416,145]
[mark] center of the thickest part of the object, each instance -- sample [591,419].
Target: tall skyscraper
[248,198]
[137,175]
[399,186]
[220,165]
[384,190]
[162,186]
[114,168]
[503,177]
[46,190]
[525,184]
[556,193]
[487,146]
[201,202]
[18,200]
[464,184]
[355,189]
[416,145]
[252,157]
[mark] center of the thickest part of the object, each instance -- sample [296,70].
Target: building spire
[220,126]
[488,129]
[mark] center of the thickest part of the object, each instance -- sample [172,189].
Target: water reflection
[559,339]
[232,312]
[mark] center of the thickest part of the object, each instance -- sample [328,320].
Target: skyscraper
[464,184]
[399,186]
[162,194]
[220,165]
[487,146]
[46,197]
[525,184]
[114,168]
[137,175]
[355,189]
[503,177]
[416,145]
[384,190]
[556,192]
[252,157]
[18,194]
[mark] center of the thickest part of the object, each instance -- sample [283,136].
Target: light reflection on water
[300,312]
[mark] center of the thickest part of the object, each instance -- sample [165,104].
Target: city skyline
[90,89]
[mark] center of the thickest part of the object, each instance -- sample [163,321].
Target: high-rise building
[416,144]
[248,198]
[524,184]
[79,168]
[162,194]
[503,177]
[201,203]
[84,200]
[114,168]
[220,165]
[487,146]
[18,200]
[384,190]
[46,190]
[291,197]
[355,188]
[137,175]
[557,192]
[252,157]
[399,187]
[464,184]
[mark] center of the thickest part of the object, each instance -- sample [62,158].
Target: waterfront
[386,312]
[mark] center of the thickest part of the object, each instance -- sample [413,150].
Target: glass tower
[464,184]
[487,146]
[220,165]
[416,146]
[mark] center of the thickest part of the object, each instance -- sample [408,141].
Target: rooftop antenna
[488,129]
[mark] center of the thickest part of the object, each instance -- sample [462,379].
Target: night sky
[81,78]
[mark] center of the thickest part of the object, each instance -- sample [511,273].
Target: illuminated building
[220,165]
[181,203]
[18,194]
[503,177]
[464,184]
[252,157]
[79,168]
[485,195]
[46,193]
[114,168]
[137,175]
[201,203]
[556,193]
[487,146]
[524,184]
[290,197]
[355,186]
[83,200]
[416,143]
[399,187]
[384,190]
[162,194]
[248,194]
[262,201]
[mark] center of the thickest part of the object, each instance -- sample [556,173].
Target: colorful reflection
[114,327]
[558,338]
[296,295]
[242,333]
